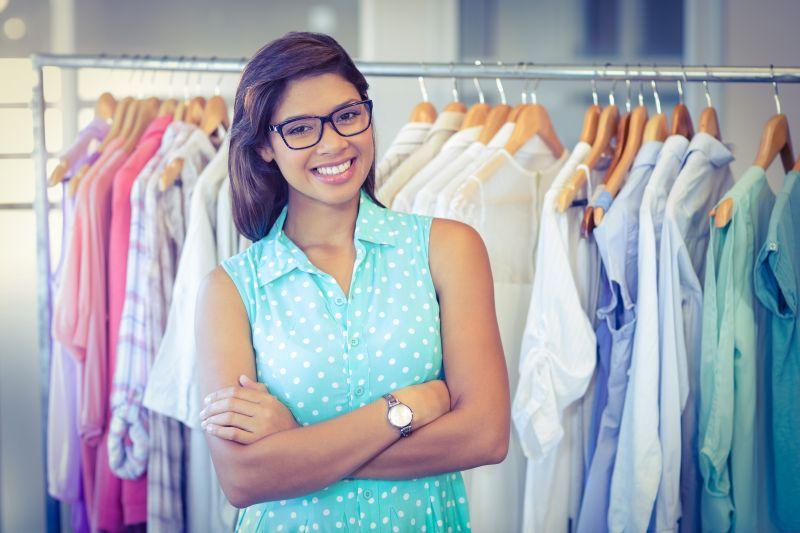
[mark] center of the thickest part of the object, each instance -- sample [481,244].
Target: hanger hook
[775,89]
[524,67]
[594,84]
[680,85]
[481,97]
[655,90]
[455,84]
[627,89]
[500,88]
[534,96]
[611,98]
[641,87]
[705,87]
[214,61]
[422,88]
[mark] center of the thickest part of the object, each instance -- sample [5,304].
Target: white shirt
[172,387]
[447,123]
[556,364]
[407,140]
[478,158]
[637,468]
[455,146]
[703,180]
[509,200]
[228,238]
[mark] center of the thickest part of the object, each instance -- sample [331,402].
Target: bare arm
[476,430]
[296,461]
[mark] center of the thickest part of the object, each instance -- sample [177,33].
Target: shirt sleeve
[558,354]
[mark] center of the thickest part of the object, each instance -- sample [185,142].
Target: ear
[266,153]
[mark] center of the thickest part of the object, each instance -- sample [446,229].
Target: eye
[297,130]
[348,116]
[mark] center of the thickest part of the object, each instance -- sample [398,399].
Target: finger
[231,434]
[246,423]
[248,383]
[234,405]
[236,392]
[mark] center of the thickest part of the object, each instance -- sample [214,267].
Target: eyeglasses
[305,132]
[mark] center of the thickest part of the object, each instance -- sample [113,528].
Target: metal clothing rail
[530,71]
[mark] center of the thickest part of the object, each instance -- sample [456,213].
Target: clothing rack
[524,71]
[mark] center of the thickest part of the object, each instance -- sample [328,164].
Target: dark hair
[258,189]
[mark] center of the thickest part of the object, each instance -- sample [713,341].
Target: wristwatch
[399,414]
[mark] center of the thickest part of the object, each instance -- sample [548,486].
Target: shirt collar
[716,152]
[648,154]
[279,255]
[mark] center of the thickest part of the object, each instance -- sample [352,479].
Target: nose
[331,142]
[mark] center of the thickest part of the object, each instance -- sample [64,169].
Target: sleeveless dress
[324,354]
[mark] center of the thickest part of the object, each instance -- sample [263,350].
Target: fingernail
[209,428]
[207,399]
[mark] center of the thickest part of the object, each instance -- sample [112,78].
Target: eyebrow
[335,109]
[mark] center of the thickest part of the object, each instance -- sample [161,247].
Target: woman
[324,347]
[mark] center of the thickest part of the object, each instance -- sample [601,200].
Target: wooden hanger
[633,142]
[533,120]
[148,110]
[214,115]
[130,120]
[656,128]
[709,123]
[180,110]
[682,122]
[591,119]
[606,129]
[167,107]
[423,112]
[476,116]
[796,167]
[194,111]
[117,121]
[455,106]
[775,139]
[103,109]
[494,121]
[515,111]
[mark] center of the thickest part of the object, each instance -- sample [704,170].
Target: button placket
[358,358]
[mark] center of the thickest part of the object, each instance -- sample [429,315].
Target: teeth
[332,171]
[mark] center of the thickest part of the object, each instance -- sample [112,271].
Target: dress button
[367,494]
[773,246]
[354,341]
[339,300]
[359,391]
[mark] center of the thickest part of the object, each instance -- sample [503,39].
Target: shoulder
[455,247]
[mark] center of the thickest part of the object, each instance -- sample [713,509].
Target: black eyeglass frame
[278,128]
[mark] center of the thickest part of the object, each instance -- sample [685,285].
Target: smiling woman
[323,348]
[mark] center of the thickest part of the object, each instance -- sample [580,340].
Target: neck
[310,222]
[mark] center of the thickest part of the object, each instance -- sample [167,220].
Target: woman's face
[321,172]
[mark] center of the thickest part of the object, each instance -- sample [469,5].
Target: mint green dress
[324,354]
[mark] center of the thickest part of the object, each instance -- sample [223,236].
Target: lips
[336,173]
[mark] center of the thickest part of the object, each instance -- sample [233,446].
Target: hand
[428,400]
[246,413]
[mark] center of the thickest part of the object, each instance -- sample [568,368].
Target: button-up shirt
[704,177]
[617,243]
[406,142]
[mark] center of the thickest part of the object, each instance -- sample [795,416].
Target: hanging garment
[638,465]
[406,142]
[425,199]
[172,383]
[383,355]
[121,454]
[731,325]
[228,242]
[617,244]
[64,478]
[704,177]
[78,153]
[455,146]
[777,278]
[505,194]
[447,123]
[462,169]
[557,360]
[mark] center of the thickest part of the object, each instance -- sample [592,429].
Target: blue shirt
[777,279]
[324,354]
[616,238]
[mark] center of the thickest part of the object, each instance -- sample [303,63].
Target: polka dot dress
[324,354]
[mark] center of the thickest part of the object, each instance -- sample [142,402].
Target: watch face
[400,415]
